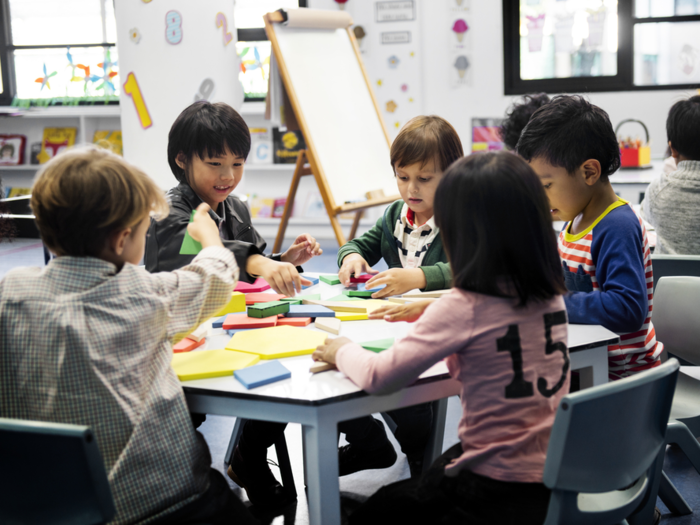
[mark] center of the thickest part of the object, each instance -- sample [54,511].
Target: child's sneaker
[262,487]
[351,459]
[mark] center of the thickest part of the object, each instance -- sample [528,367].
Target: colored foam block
[351,316]
[309,310]
[262,374]
[343,306]
[359,293]
[254,298]
[363,287]
[329,279]
[298,299]
[361,278]
[260,310]
[379,345]
[260,285]
[435,294]
[314,280]
[187,345]
[321,366]
[328,324]
[234,321]
[219,323]
[210,363]
[189,245]
[235,305]
[277,342]
[199,333]
[294,321]
[343,297]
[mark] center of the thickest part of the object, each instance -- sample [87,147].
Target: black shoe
[415,465]
[261,486]
[351,460]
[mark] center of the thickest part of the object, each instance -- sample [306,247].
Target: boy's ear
[117,240]
[180,160]
[591,171]
[674,151]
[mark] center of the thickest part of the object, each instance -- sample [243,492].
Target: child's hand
[304,248]
[326,352]
[409,312]
[281,276]
[353,264]
[203,229]
[397,281]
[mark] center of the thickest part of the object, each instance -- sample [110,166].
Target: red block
[260,285]
[254,298]
[187,345]
[294,321]
[361,278]
[235,321]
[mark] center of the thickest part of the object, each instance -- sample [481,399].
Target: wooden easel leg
[298,171]
[337,230]
[355,224]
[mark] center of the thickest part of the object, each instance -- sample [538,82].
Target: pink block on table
[294,321]
[242,321]
[260,285]
[187,345]
[361,278]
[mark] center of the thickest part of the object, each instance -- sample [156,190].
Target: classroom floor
[217,429]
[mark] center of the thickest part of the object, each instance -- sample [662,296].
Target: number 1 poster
[171,53]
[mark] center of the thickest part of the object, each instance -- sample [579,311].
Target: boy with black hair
[517,117]
[572,147]
[672,201]
[207,148]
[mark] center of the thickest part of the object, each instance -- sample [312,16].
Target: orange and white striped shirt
[608,273]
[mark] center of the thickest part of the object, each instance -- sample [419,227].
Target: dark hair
[567,132]
[496,227]
[425,138]
[206,130]
[683,127]
[518,116]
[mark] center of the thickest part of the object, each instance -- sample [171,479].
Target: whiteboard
[340,117]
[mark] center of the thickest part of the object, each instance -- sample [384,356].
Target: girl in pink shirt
[503,331]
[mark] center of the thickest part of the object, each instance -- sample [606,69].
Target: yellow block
[350,316]
[276,342]
[210,363]
[236,304]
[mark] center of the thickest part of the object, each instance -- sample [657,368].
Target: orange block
[235,321]
[294,321]
[187,345]
[254,298]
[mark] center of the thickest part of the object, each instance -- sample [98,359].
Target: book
[56,140]
[287,145]
[12,149]
[260,146]
[111,140]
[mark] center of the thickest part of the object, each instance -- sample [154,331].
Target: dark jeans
[217,506]
[412,432]
[468,499]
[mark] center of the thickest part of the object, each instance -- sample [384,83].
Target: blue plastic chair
[604,448]
[52,474]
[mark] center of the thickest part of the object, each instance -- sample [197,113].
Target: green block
[189,245]
[291,301]
[359,293]
[299,298]
[329,279]
[270,309]
[343,297]
[379,345]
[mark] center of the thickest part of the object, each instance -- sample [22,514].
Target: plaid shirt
[83,344]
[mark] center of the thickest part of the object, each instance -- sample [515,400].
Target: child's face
[417,184]
[134,245]
[213,179]
[568,194]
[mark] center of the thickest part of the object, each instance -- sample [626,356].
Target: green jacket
[379,243]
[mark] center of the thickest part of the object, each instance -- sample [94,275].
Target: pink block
[260,285]
[361,278]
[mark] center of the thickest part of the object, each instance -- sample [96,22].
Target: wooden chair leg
[355,224]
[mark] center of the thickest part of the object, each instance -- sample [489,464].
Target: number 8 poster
[171,53]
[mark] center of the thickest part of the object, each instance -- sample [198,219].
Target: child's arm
[409,312]
[431,339]
[367,250]
[283,277]
[621,302]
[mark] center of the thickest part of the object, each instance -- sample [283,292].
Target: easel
[310,155]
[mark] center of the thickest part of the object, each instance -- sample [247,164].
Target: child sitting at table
[207,148]
[87,340]
[672,201]
[503,332]
[605,254]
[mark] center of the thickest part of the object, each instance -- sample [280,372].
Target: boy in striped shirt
[605,253]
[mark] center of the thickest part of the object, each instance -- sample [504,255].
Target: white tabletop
[306,388]
[637,175]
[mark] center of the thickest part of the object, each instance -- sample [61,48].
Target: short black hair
[517,117]
[567,132]
[496,228]
[207,130]
[683,127]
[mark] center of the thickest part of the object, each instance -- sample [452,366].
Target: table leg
[592,366]
[437,433]
[321,466]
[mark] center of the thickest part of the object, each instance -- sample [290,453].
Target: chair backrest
[677,316]
[52,474]
[608,437]
[674,266]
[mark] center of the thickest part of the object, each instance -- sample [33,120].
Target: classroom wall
[484,97]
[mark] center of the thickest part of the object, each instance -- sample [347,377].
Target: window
[600,45]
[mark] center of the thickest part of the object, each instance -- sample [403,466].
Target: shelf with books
[21,167]
[270,167]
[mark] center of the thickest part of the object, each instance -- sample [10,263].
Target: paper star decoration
[391,106]
[44,81]
[379,82]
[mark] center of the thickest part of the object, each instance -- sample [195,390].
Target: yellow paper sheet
[210,363]
[276,342]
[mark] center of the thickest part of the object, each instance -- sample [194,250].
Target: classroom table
[318,402]
[631,183]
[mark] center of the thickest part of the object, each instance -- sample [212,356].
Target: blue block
[219,323]
[309,310]
[231,332]
[264,374]
[362,288]
[314,280]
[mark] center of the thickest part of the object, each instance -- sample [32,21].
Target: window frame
[623,81]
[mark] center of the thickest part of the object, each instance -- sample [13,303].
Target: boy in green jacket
[406,236]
